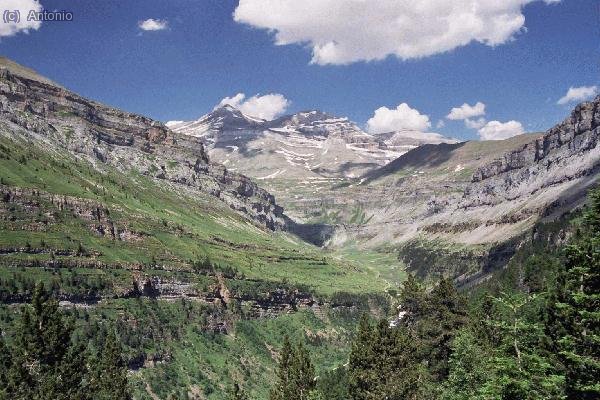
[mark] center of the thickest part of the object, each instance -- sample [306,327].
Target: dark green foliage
[42,353]
[5,362]
[535,338]
[333,385]
[303,372]
[575,309]
[237,393]
[468,369]
[445,314]
[110,372]
[45,361]
[295,375]
[518,366]
[402,362]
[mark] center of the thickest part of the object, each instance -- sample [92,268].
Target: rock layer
[107,136]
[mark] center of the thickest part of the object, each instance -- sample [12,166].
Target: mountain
[208,126]
[461,210]
[406,140]
[292,154]
[136,226]
[106,136]
[133,227]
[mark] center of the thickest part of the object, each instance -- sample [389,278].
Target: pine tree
[296,374]
[5,362]
[333,384]
[445,314]
[75,375]
[110,377]
[519,365]
[302,373]
[361,375]
[468,369]
[577,309]
[412,301]
[283,388]
[42,344]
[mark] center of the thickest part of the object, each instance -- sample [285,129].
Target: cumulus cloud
[496,130]
[20,8]
[475,123]
[402,117]
[266,107]
[152,24]
[347,31]
[466,111]
[577,94]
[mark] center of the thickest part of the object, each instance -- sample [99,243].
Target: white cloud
[402,117]
[475,123]
[266,107]
[440,124]
[347,31]
[577,94]
[153,24]
[466,111]
[496,130]
[234,101]
[20,8]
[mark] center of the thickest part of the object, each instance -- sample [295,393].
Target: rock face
[297,157]
[472,198]
[406,140]
[307,144]
[463,202]
[567,153]
[35,108]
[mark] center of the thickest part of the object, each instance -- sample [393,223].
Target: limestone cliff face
[566,153]
[62,120]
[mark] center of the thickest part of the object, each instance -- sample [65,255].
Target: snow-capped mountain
[305,145]
[406,140]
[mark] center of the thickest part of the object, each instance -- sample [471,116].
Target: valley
[204,243]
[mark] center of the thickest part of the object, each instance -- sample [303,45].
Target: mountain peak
[308,117]
[229,113]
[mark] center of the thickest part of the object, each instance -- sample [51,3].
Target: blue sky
[203,55]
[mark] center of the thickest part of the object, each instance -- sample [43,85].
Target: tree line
[45,360]
[537,339]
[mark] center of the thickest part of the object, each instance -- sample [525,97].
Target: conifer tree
[520,367]
[577,309]
[445,315]
[302,373]
[412,301]
[361,374]
[5,361]
[111,372]
[468,369]
[295,375]
[40,354]
[283,388]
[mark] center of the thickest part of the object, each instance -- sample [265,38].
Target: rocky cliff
[567,153]
[299,157]
[473,202]
[37,109]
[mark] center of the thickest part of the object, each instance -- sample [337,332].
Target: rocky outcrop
[567,152]
[107,136]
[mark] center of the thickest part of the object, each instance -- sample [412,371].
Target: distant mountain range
[397,191]
[111,209]
[307,145]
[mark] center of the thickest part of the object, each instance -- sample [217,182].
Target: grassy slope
[175,228]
